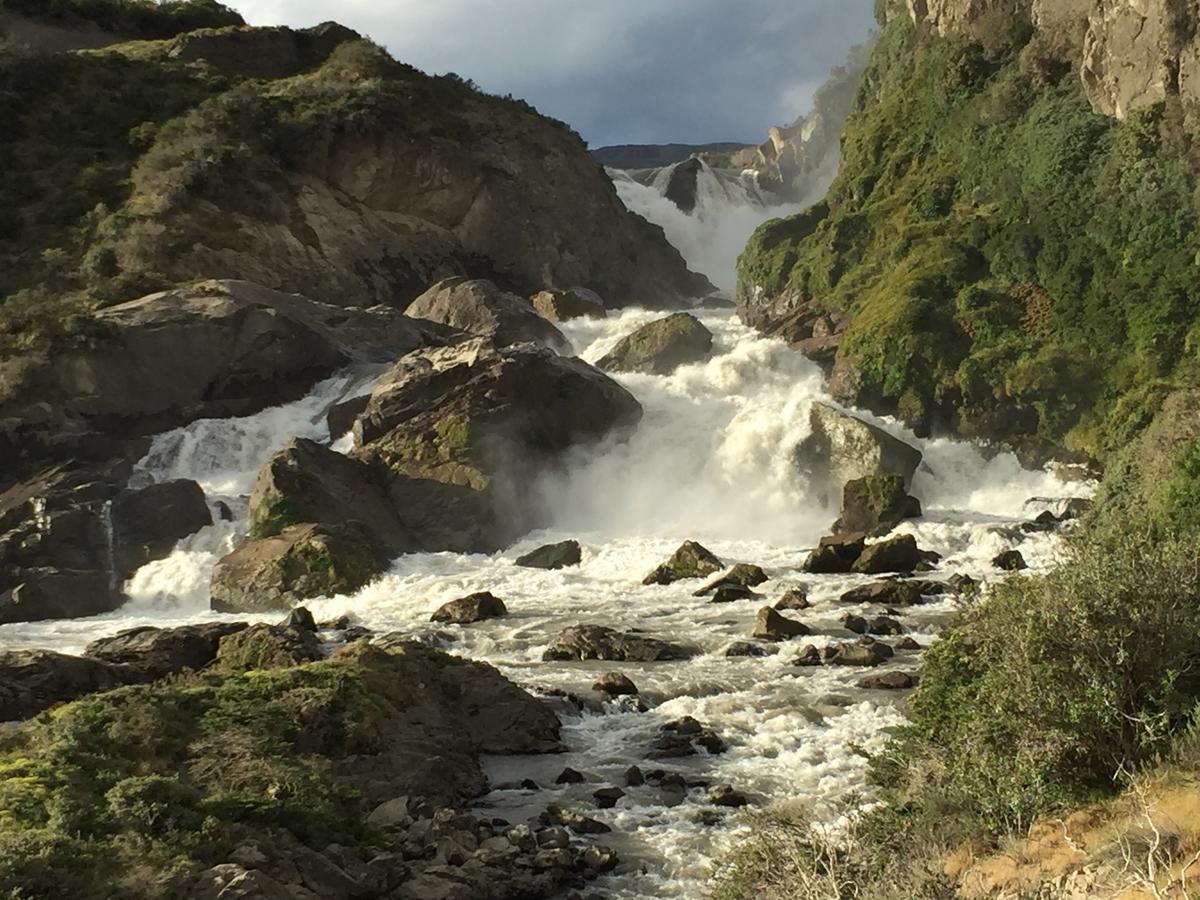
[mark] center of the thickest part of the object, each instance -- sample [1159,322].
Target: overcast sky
[619,71]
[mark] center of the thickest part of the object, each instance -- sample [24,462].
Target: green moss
[441,449]
[275,513]
[1014,263]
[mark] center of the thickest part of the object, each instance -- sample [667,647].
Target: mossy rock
[660,347]
[691,560]
[875,505]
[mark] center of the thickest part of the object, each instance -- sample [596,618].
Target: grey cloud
[619,71]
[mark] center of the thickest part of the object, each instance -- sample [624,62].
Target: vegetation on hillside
[1017,266]
[129,18]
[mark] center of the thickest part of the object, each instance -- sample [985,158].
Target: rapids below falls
[711,461]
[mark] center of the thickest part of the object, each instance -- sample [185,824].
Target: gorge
[396,503]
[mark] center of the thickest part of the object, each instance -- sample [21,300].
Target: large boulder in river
[660,347]
[835,554]
[479,308]
[159,652]
[211,349]
[303,561]
[598,642]
[552,556]
[900,554]
[472,608]
[771,626]
[841,447]
[146,523]
[875,504]
[562,306]
[691,560]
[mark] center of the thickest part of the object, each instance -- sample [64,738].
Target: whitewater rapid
[711,461]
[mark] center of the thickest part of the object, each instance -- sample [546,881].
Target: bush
[152,805]
[1054,686]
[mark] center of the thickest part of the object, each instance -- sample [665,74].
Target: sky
[618,71]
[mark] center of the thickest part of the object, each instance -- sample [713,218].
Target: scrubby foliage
[1017,266]
[129,18]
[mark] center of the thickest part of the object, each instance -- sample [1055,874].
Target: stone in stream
[562,306]
[552,556]
[771,626]
[299,619]
[1010,561]
[906,643]
[742,575]
[745,648]
[842,447]
[472,608]
[884,625]
[1046,521]
[888,681]
[570,776]
[691,560]
[731,593]
[835,554]
[899,554]
[575,821]
[614,684]
[889,592]
[660,347]
[478,307]
[725,795]
[876,504]
[146,523]
[678,738]
[598,642]
[796,598]
[606,798]
[863,652]
[634,777]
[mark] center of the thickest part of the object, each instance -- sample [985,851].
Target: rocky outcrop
[32,680]
[660,347]
[841,447]
[598,642]
[213,349]
[480,308]
[302,561]
[266,646]
[159,652]
[266,53]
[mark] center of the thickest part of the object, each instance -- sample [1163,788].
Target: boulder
[875,504]
[691,560]
[472,608]
[598,642]
[34,680]
[209,349]
[305,482]
[899,554]
[463,432]
[842,447]
[40,594]
[576,821]
[606,798]
[836,554]
[888,681]
[725,795]
[741,575]
[570,776]
[891,592]
[745,648]
[863,652]
[682,184]
[660,347]
[796,598]
[552,556]
[147,523]
[729,593]
[614,684]
[562,306]
[159,652]
[771,626]
[300,619]
[266,647]
[301,562]
[479,308]
[340,417]
[1010,561]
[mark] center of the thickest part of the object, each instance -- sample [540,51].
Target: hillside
[302,160]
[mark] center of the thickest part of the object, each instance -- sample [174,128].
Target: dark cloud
[620,71]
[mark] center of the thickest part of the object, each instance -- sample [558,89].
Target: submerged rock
[660,347]
[876,504]
[303,561]
[552,556]
[771,626]
[472,608]
[746,648]
[742,575]
[598,642]
[730,593]
[478,307]
[691,560]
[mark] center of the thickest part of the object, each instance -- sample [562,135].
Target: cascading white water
[729,206]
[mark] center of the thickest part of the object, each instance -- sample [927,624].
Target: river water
[711,461]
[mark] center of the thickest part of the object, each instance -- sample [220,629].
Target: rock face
[478,307]
[842,447]
[302,561]
[261,52]
[562,306]
[875,505]
[691,560]
[660,347]
[597,642]
[552,556]
[213,349]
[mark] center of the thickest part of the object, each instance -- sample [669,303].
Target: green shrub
[1055,685]
[153,805]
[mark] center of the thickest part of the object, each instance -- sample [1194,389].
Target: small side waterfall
[110,546]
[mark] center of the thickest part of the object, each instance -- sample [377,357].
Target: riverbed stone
[889,592]
[562,306]
[898,554]
[164,651]
[742,575]
[472,608]
[842,447]
[478,307]
[552,556]
[599,642]
[660,347]
[691,560]
[771,626]
[835,554]
[795,598]
[876,504]
[614,684]
[1010,561]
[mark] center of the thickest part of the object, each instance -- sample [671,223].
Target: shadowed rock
[598,642]
[552,556]
[478,307]
[660,347]
[691,560]
[473,608]
[771,626]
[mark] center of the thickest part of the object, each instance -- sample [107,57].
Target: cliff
[1010,249]
[305,161]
